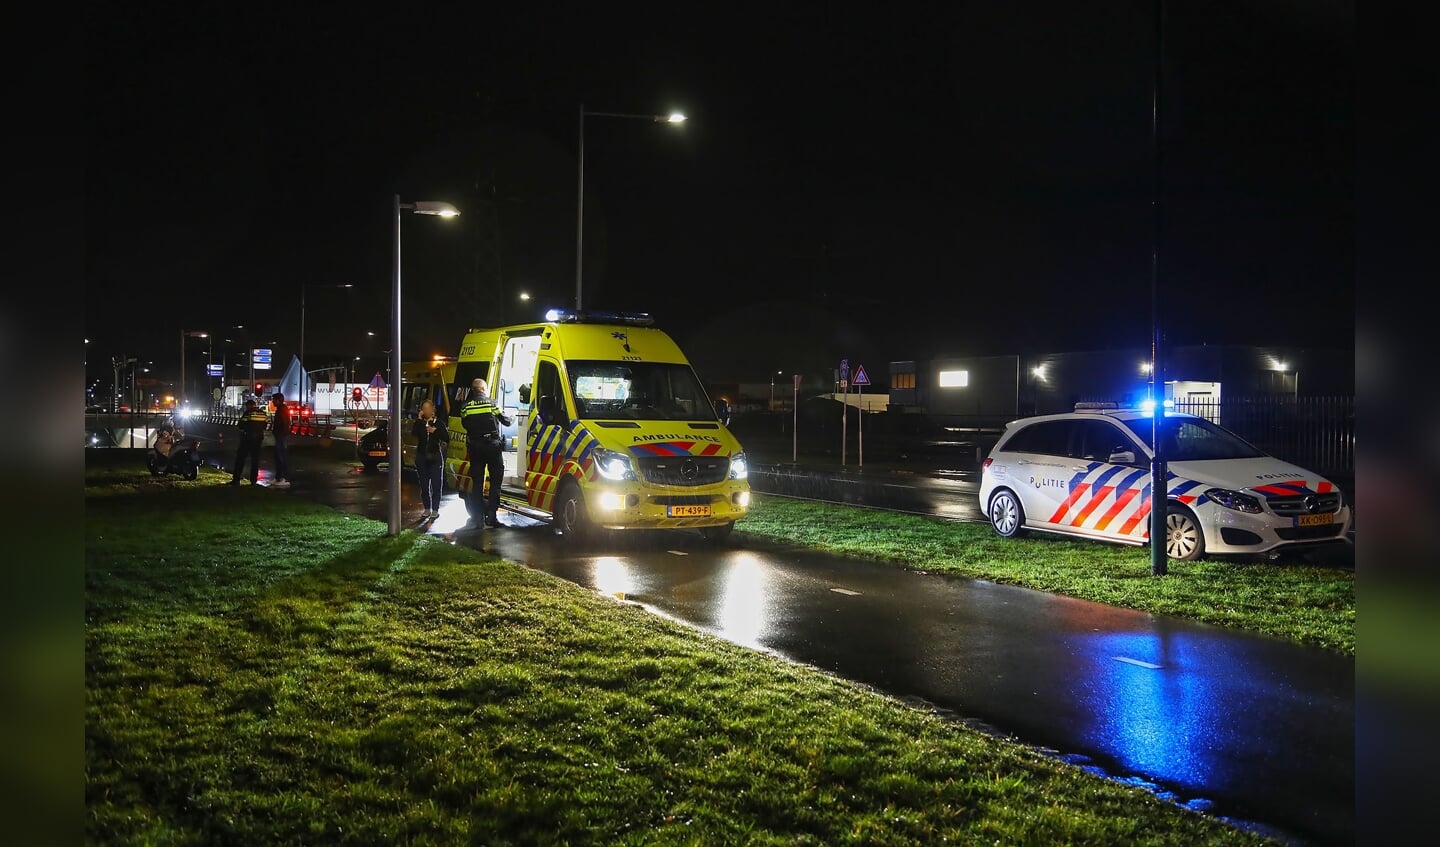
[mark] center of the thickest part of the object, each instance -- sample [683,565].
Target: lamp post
[304,397]
[1159,490]
[192,333]
[419,207]
[672,118]
[772,388]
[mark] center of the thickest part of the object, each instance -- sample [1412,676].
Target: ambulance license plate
[688,511]
[1314,520]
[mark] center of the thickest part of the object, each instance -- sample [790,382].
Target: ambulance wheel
[1006,514]
[717,534]
[571,520]
[1184,539]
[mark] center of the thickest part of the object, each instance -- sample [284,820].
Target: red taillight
[986,463]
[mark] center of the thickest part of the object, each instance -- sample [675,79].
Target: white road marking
[845,591]
[1137,663]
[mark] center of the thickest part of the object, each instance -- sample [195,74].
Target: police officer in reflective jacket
[483,440]
[253,424]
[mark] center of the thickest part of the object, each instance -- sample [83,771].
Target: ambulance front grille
[684,470]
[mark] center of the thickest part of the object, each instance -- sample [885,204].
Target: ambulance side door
[546,428]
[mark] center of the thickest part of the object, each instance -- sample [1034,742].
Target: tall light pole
[419,207]
[1159,487]
[672,118]
[304,397]
[192,333]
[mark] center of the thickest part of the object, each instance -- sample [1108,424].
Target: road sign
[844,370]
[214,370]
[861,378]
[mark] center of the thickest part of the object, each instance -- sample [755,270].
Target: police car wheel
[570,519]
[1006,514]
[1184,540]
[191,471]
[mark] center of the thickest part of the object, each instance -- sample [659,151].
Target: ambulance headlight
[1234,500]
[613,465]
[739,467]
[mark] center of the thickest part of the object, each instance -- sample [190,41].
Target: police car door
[1107,498]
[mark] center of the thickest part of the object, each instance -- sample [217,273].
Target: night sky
[966,178]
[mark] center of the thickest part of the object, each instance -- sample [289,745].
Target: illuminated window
[902,381]
[954,379]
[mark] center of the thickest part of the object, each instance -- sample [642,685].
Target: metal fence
[1317,433]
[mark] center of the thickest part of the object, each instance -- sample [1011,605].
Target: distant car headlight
[739,467]
[613,465]
[1234,500]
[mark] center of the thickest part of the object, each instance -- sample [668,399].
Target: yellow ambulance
[610,429]
[432,380]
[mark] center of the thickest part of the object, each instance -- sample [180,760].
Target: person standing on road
[253,423]
[483,442]
[432,440]
[280,429]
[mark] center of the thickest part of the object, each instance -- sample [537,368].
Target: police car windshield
[642,391]
[1188,439]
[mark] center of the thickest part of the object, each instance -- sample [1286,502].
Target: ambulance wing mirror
[525,393]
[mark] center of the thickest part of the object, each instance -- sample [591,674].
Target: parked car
[1087,474]
[373,448]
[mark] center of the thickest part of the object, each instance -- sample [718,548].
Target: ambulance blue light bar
[591,316]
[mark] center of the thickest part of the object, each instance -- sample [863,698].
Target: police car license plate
[688,511]
[1314,520]
[379,452]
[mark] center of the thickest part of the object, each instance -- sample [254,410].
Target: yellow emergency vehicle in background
[611,428]
[420,381]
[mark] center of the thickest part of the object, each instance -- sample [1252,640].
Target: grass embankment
[1301,603]
[260,670]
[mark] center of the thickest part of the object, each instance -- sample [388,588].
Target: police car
[1087,474]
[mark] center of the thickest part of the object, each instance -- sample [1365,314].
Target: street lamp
[672,118]
[419,207]
[192,333]
[304,397]
[772,389]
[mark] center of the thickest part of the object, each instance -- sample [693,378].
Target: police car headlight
[739,467]
[613,465]
[1234,500]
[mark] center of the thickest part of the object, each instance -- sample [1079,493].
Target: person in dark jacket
[280,430]
[253,424]
[483,442]
[432,439]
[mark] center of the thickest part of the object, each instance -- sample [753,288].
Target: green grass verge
[1302,603]
[264,670]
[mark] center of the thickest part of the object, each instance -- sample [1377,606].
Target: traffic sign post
[844,416]
[861,380]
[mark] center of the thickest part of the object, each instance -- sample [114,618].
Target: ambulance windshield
[641,391]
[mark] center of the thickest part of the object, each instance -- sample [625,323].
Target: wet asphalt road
[1247,728]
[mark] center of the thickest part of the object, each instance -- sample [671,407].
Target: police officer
[482,419]
[253,423]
